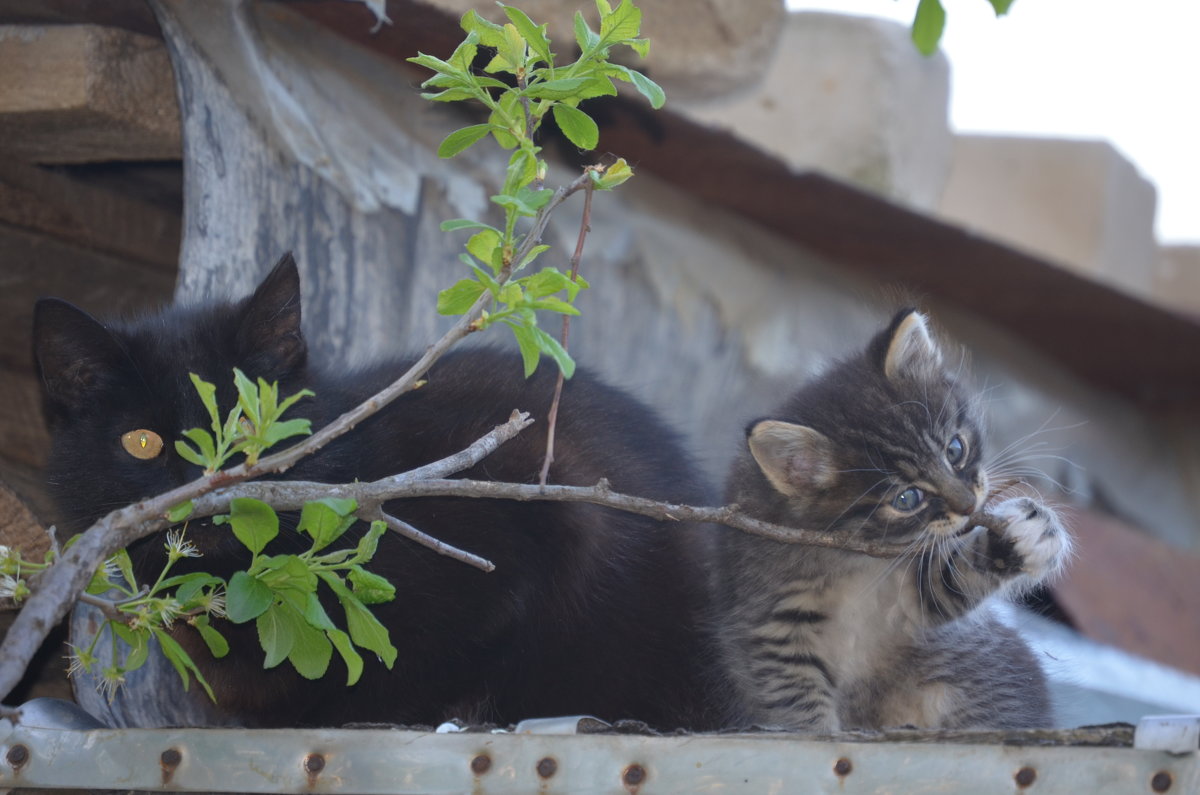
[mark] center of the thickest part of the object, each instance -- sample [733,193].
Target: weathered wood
[33,265]
[73,211]
[23,437]
[81,93]
[20,529]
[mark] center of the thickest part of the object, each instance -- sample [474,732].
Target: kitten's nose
[960,499]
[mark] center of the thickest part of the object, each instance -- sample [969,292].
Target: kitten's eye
[909,500]
[956,451]
[142,443]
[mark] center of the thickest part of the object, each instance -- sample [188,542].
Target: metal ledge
[404,761]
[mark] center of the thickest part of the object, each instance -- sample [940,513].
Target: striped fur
[885,445]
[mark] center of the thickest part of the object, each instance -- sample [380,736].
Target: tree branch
[585,225]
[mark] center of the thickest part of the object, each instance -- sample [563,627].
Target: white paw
[1037,534]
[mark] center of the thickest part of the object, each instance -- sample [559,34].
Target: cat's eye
[909,500]
[956,452]
[142,443]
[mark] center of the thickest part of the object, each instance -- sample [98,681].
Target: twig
[424,539]
[585,225]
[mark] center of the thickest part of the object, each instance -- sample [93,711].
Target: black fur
[589,610]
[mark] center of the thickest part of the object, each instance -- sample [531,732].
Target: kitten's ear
[74,354]
[270,344]
[911,350]
[795,458]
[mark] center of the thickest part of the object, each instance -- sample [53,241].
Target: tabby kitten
[886,445]
[589,610]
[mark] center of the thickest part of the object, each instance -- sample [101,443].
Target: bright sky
[1127,71]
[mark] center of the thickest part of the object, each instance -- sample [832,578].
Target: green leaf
[640,46]
[315,615]
[549,345]
[138,642]
[456,224]
[490,34]
[483,245]
[188,585]
[527,344]
[623,23]
[311,650]
[369,543]
[276,634]
[585,37]
[536,250]
[247,397]
[645,86]
[545,282]
[285,429]
[459,140]
[509,202]
[459,297]
[534,35]
[217,645]
[208,396]
[565,88]
[204,443]
[1001,6]
[365,629]
[451,95]
[287,573]
[613,176]
[181,661]
[181,511]
[254,522]
[370,588]
[125,566]
[354,662]
[436,64]
[577,126]
[555,305]
[246,598]
[928,25]
[326,519]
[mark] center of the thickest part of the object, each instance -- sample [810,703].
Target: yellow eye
[142,443]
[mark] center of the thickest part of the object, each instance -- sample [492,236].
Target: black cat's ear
[269,341]
[74,354]
[911,351]
[795,458]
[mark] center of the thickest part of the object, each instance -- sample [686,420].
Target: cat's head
[117,396]
[886,444]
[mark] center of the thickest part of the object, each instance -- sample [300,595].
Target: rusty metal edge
[401,761]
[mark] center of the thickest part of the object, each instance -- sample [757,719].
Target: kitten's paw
[1037,534]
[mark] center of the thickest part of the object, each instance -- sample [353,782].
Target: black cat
[589,610]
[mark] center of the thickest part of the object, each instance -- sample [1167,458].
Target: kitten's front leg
[1028,546]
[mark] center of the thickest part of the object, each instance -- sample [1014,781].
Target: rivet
[1025,777]
[481,764]
[1161,782]
[547,767]
[842,767]
[634,775]
[314,764]
[171,757]
[18,755]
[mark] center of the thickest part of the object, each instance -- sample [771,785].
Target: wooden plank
[33,266]
[83,93]
[23,436]
[1132,591]
[38,199]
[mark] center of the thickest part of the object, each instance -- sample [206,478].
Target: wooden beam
[82,93]
[70,210]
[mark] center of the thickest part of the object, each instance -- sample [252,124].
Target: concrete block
[697,49]
[1177,278]
[1079,203]
[81,93]
[851,97]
